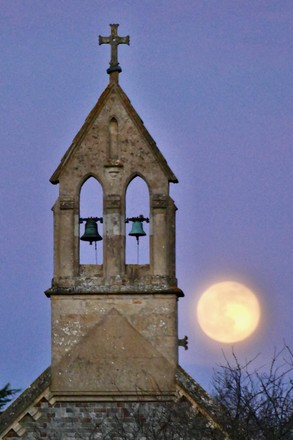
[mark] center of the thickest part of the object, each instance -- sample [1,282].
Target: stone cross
[114,40]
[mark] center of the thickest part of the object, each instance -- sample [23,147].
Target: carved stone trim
[159,201]
[66,204]
[114,164]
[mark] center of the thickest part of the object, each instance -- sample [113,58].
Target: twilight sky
[213,82]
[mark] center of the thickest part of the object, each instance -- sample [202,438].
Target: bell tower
[114,325]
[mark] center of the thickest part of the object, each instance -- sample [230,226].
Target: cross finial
[114,40]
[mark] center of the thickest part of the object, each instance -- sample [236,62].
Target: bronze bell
[137,229]
[91,231]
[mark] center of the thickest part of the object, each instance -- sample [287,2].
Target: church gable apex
[113,105]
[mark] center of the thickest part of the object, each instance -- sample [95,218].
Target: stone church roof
[13,420]
[25,403]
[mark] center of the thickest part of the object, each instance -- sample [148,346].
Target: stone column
[114,230]
[65,252]
[159,242]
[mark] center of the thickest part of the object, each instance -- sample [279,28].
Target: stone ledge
[113,290]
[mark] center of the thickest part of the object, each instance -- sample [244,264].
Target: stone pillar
[159,242]
[65,252]
[171,227]
[114,230]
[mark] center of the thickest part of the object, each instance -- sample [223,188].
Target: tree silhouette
[257,403]
[6,395]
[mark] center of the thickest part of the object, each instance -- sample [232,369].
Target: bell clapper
[137,258]
[96,254]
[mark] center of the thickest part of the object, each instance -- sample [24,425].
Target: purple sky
[212,81]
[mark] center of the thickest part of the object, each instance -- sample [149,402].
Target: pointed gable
[114,103]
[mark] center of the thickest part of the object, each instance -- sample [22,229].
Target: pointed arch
[137,202]
[90,205]
[85,178]
[133,176]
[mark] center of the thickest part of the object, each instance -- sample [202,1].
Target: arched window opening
[137,204]
[91,207]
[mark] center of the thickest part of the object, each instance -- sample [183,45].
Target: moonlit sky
[212,81]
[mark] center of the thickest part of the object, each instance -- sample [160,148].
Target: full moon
[228,312]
